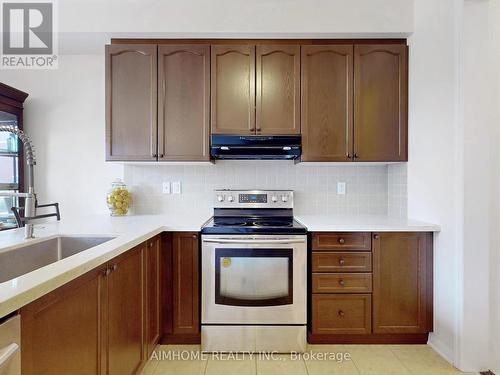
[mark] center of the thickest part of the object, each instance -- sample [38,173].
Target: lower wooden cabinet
[382,296]
[181,289]
[104,322]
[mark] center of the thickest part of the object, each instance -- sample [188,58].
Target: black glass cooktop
[258,225]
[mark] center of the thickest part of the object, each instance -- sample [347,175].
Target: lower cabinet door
[125,312]
[341,313]
[60,332]
[152,278]
[402,282]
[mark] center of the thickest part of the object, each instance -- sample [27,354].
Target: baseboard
[442,349]
[418,338]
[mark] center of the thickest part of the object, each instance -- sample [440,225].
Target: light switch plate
[165,187]
[176,187]
[341,188]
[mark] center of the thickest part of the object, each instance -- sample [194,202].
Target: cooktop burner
[273,223]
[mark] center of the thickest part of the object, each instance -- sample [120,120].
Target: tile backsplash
[370,189]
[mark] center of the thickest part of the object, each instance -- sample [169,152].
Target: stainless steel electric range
[254,276]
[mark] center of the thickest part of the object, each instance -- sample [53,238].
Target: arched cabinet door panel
[131,102]
[327,106]
[277,89]
[233,89]
[380,102]
[183,102]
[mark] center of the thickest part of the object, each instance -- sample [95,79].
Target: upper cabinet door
[183,102]
[278,89]
[327,109]
[233,89]
[380,102]
[131,101]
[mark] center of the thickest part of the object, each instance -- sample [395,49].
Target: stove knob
[230,198]
[284,198]
[220,198]
[274,198]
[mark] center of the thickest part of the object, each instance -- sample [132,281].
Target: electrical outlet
[176,187]
[341,188]
[165,187]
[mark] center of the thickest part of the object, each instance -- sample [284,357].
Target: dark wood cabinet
[402,283]
[183,102]
[152,286]
[277,89]
[104,322]
[125,313]
[355,301]
[131,102]
[181,293]
[62,332]
[233,89]
[380,102]
[327,103]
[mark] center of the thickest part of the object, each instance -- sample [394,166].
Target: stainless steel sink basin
[21,260]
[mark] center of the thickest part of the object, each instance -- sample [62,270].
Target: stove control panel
[253,198]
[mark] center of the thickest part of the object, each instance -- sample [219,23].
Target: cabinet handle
[107,272]
[115,266]
[150,244]
[376,236]
[341,262]
[349,156]
[161,156]
[154,155]
[195,236]
[356,156]
[341,313]
[341,241]
[341,282]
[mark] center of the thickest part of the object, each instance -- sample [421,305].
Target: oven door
[258,279]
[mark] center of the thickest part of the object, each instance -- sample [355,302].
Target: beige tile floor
[364,360]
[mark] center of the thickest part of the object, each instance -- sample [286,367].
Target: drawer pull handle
[341,313]
[341,282]
[341,241]
[341,262]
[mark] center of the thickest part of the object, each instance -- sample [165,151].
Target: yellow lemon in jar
[118,211]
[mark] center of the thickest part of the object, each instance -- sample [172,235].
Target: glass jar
[119,198]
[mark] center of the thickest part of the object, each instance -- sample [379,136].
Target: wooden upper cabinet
[233,89]
[131,102]
[380,102]
[278,89]
[183,102]
[402,282]
[327,106]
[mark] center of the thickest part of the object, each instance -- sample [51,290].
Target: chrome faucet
[30,196]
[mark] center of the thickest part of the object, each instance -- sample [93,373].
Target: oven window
[253,277]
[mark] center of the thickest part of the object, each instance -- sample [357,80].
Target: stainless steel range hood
[255,147]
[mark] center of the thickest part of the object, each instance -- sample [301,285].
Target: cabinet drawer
[342,241]
[341,313]
[341,262]
[342,283]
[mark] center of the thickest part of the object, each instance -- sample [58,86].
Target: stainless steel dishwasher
[10,345]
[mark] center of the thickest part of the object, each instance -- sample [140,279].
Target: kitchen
[226,81]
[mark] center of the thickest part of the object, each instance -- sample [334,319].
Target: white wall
[432,170]
[64,116]
[494,48]
[474,328]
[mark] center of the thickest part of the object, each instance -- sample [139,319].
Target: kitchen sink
[21,260]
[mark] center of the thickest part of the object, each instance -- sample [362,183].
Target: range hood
[256,147]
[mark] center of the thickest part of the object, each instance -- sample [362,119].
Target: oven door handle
[7,353]
[253,241]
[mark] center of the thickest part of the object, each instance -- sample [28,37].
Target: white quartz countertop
[364,223]
[133,230]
